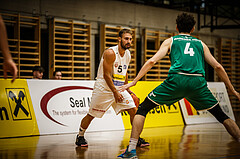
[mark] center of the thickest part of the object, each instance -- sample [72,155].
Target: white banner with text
[60,106]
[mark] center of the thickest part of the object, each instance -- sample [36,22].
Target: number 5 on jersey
[188,50]
[119,69]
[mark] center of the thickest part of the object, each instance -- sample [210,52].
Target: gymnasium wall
[98,12]
[108,11]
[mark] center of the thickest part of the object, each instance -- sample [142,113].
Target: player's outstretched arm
[8,64]
[220,70]
[126,82]
[163,50]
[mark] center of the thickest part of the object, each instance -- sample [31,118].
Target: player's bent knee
[145,107]
[141,112]
[218,113]
[132,111]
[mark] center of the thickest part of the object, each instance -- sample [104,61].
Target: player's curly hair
[185,22]
[123,31]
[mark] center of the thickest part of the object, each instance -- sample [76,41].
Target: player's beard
[125,46]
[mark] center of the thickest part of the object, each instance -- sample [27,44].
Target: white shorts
[103,99]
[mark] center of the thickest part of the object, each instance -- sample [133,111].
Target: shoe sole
[84,145]
[144,145]
[134,157]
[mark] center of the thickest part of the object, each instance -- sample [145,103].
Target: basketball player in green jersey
[185,80]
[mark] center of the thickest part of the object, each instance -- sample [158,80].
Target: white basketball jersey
[120,67]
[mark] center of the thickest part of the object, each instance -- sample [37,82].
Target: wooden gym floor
[208,141]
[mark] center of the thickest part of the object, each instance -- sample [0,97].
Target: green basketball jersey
[186,55]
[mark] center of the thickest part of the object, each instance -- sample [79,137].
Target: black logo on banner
[173,108]
[18,104]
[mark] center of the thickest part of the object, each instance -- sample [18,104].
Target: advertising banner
[61,105]
[33,107]
[16,110]
[191,116]
[162,115]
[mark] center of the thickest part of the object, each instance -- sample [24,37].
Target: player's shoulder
[109,54]
[168,41]
[204,45]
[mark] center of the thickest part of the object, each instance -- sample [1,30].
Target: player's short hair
[38,68]
[123,31]
[185,22]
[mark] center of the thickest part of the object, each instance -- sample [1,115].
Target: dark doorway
[97,53]
[45,52]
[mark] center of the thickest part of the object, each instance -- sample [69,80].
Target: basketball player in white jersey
[112,73]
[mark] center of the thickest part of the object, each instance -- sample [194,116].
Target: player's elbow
[151,62]
[106,76]
[218,67]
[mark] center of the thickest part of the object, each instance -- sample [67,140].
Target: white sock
[81,131]
[132,144]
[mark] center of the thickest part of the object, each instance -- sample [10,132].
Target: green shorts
[176,87]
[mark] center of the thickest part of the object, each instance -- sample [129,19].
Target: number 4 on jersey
[188,50]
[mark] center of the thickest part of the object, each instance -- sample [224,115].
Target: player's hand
[135,99]
[126,86]
[129,91]
[9,65]
[118,96]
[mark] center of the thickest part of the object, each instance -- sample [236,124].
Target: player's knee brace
[145,107]
[218,113]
